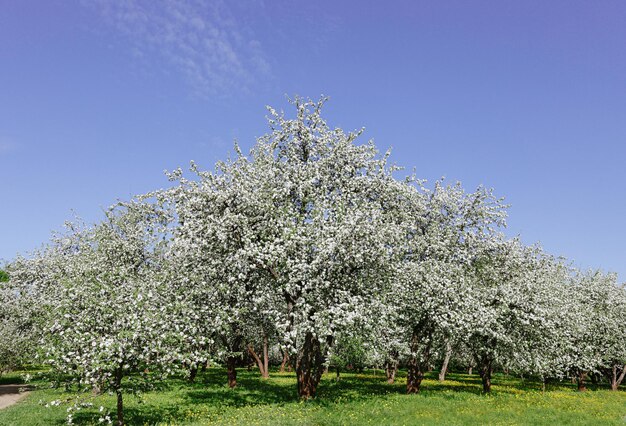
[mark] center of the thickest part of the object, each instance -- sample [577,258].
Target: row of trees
[311,245]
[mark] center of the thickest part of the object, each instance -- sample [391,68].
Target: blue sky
[97,98]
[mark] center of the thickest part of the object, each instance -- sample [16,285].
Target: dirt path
[10,394]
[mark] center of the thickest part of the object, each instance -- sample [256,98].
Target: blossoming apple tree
[107,312]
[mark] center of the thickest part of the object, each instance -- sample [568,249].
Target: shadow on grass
[209,393]
[144,415]
[281,388]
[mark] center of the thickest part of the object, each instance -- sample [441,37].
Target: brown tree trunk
[259,362]
[120,401]
[620,378]
[616,378]
[391,368]
[580,380]
[446,361]
[266,357]
[417,365]
[309,366]
[193,372]
[234,346]
[120,408]
[285,361]
[486,369]
[414,377]
[231,372]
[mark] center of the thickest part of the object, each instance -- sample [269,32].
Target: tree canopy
[309,246]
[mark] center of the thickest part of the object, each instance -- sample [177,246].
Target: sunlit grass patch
[353,399]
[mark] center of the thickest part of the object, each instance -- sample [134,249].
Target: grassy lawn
[353,400]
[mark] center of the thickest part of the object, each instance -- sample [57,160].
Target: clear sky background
[97,98]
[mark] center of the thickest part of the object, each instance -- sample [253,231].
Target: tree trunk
[120,408]
[192,374]
[469,369]
[414,377]
[285,362]
[580,380]
[309,366]
[621,377]
[231,372]
[118,392]
[235,345]
[615,377]
[266,357]
[261,363]
[417,364]
[446,361]
[391,368]
[486,369]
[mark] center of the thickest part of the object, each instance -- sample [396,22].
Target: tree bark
[580,380]
[415,375]
[120,408]
[615,377]
[285,362]
[235,346]
[486,369]
[192,374]
[391,368]
[417,365]
[446,361]
[231,372]
[120,401]
[621,377]
[309,367]
[261,363]
[266,357]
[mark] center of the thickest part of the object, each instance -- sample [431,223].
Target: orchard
[312,250]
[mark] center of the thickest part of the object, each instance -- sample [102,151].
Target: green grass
[353,400]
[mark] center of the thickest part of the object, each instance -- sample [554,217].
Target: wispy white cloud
[205,41]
